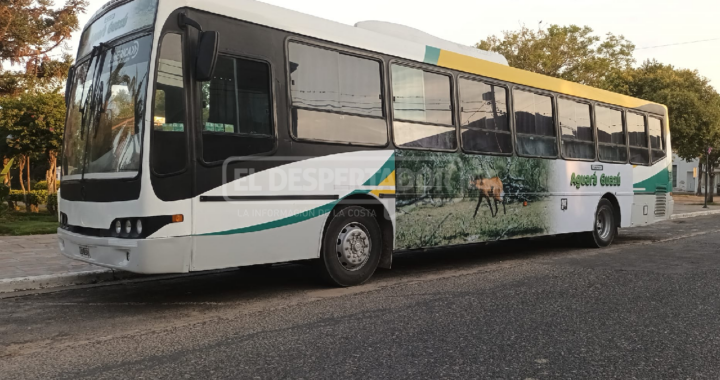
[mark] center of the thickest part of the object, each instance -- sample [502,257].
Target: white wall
[684,172]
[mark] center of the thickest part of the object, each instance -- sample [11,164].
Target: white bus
[212,134]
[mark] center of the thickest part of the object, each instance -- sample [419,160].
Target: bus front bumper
[146,256]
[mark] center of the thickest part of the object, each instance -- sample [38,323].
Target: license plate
[84,251]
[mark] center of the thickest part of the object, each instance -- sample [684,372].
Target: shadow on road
[252,283]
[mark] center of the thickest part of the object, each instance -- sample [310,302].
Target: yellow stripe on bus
[389,181]
[489,69]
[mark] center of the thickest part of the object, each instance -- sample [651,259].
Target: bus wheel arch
[617,214]
[381,215]
[604,227]
[354,241]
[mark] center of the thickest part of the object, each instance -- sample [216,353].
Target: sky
[646,23]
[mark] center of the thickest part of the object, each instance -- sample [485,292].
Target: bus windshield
[103,135]
[104,131]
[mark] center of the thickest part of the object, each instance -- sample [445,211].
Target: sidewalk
[37,255]
[691,203]
[35,262]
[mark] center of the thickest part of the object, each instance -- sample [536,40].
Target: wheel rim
[353,246]
[603,223]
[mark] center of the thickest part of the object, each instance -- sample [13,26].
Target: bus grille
[660,204]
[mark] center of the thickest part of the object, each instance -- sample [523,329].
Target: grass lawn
[21,223]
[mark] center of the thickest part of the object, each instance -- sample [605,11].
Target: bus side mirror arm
[207,49]
[207,54]
[68,85]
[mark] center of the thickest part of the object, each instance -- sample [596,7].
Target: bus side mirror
[68,85]
[207,54]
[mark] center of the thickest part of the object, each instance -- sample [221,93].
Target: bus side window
[484,118]
[612,145]
[423,109]
[578,140]
[534,124]
[236,110]
[169,142]
[336,97]
[657,145]
[637,137]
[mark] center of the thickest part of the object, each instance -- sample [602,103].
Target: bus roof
[408,43]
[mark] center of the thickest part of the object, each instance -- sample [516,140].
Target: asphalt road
[648,307]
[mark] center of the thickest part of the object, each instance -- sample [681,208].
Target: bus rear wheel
[351,248]
[604,226]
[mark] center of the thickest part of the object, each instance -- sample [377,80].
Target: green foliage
[575,54]
[40,185]
[693,105]
[4,193]
[34,197]
[569,52]
[43,185]
[37,197]
[52,203]
[31,30]
[32,123]
[16,196]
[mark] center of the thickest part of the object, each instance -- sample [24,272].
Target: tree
[30,30]
[693,108]
[32,124]
[568,52]
[575,54]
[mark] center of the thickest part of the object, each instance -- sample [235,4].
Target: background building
[685,175]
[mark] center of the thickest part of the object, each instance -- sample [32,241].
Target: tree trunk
[698,190]
[28,174]
[51,174]
[21,165]
[6,178]
[711,191]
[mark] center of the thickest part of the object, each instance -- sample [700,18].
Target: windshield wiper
[108,92]
[139,106]
[88,98]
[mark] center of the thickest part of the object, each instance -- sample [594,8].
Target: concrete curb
[11,285]
[63,279]
[694,214]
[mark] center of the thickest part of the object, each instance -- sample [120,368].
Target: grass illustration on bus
[452,199]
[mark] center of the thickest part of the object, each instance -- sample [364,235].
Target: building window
[674,175]
[484,123]
[237,111]
[169,138]
[637,138]
[657,144]
[576,130]
[612,145]
[534,124]
[422,109]
[336,97]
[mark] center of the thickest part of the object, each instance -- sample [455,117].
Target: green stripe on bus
[432,55]
[382,173]
[661,179]
[294,219]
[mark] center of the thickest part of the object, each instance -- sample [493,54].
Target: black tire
[604,226]
[356,229]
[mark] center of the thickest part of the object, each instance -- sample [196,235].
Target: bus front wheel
[604,226]
[352,244]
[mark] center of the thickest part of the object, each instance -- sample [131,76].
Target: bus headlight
[140,227]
